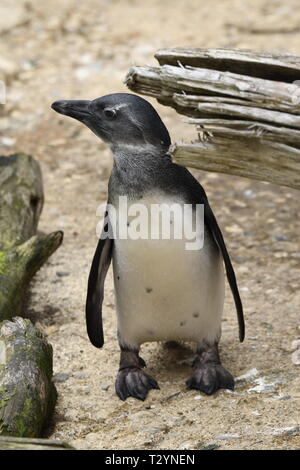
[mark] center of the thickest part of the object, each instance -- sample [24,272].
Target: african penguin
[163,290]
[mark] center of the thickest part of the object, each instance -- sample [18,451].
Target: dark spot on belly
[148,290]
[118,277]
[182,323]
[196,314]
[128,223]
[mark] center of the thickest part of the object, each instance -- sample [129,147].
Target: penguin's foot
[210,375]
[131,380]
[134,382]
[210,378]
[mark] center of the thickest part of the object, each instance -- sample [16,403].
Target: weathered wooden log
[27,394]
[246,106]
[21,252]
[162,82]
[247,157]
[23,443]
[272,66]
[18,266]
[245,129]
[229,108]
[21,196]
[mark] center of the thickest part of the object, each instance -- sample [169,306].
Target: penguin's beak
[77,109]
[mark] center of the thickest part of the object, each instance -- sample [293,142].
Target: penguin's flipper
[215,229]
[95,291]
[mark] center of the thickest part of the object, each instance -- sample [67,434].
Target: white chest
[165,291]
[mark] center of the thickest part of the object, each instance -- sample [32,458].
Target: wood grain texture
[244,104]
[272,66]
[249,157]
[27,394]
[22,252]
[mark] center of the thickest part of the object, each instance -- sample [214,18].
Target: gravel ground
[82,50]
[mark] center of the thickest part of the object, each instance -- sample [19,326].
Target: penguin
[163,291]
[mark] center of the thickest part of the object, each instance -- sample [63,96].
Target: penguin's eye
[110,114]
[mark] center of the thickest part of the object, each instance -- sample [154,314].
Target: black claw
[149,381]
[154,384]
[210,378]
[142,362]
[123,394]
[134,382]
[121,389]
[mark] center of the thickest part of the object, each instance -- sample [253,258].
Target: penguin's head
[120,119]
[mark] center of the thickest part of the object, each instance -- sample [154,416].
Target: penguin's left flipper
[95,292]
[212,224]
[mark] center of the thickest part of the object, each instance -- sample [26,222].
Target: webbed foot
[209,378]
[131,380]
[134,382]
[209,375]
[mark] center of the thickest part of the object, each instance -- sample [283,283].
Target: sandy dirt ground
[81,50]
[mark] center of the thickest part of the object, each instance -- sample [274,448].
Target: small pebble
[280,237]
[189,445]
[228,436]
[295,344]
[289,431]
[261,386]
[104,386]
[244,289]
[152,430]
[238,259]
[211,446]
[7,141]
[296,357]
[81,375]
[62,377]
[285,397]
[248,375]
[249,193]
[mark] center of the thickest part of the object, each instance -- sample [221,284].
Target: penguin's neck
[136,170]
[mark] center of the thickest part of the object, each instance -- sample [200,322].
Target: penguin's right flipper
[216,231]
[95,291]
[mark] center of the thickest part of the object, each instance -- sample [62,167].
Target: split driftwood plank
[272,66]
[27,394]
[22,252]
[219,107]
[248,112]
[247,157]
[246,129]
[162,82]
